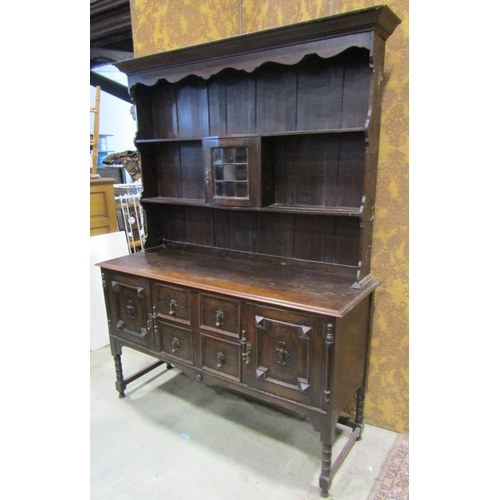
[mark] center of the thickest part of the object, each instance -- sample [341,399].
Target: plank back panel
[346,243]
[240,102]
[217,107]
[142,97]
[319,94]
[333,240]
[199,226]
[169,170]
[309,237]
[192,108]
[324,170]
[351,170]
[174,223]
[163,111]
[276,98]
[191,160]
[356,90]
[274,234]
[242,231]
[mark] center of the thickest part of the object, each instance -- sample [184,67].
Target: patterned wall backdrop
[160,25]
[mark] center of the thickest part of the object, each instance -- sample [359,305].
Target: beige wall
[160,25]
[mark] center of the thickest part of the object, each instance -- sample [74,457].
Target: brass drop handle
[175,344]
[173,307]
[282,354]
[130,309]
[246,347]
[219,318]
[220,359]
[207,178]
[246,355]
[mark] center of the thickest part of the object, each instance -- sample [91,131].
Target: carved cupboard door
[129,306]
[282,350]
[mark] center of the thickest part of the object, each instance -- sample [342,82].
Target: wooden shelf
[174,201]
[313,210]
[348,130]
[322,131]
[169,139]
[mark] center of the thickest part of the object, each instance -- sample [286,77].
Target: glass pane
[217,152]
[242,190]
[241,172]
[229,189]
[228,155]
[240,155]
[229,173]
[219,176]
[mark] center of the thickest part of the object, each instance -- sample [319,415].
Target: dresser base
[321,421]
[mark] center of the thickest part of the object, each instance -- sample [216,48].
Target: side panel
[351,353]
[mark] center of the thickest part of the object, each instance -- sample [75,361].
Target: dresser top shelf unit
[248,51]
[266,143]
[269,281]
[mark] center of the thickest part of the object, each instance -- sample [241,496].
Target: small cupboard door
[129,306]
[232,171]
[283,357]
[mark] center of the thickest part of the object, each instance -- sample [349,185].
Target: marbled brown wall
[160,25]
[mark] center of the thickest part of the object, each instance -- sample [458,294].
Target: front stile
[329,340]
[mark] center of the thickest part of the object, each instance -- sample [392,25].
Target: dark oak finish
[259,158]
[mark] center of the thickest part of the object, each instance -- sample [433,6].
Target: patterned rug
[393,482]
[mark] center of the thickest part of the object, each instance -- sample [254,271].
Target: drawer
[220,356]
[175,341]
[220,314]
[172,302]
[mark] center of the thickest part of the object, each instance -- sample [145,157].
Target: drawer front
[173,303]
[129,309]
[221,357]
[220,314]
[175,341]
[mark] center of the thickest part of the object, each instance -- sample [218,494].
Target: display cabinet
[259,156]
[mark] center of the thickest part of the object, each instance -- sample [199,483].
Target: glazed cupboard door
[232,171]
[283,352]
[129,309]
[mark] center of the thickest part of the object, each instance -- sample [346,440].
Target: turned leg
[360,408]
[326,426]
[325,478]
[120,383]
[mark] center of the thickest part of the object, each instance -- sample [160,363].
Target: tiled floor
[173,438]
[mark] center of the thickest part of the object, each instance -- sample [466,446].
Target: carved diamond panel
[283,353]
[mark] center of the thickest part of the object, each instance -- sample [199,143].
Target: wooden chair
[94,142]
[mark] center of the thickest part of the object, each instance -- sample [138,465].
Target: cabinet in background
[102,207]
